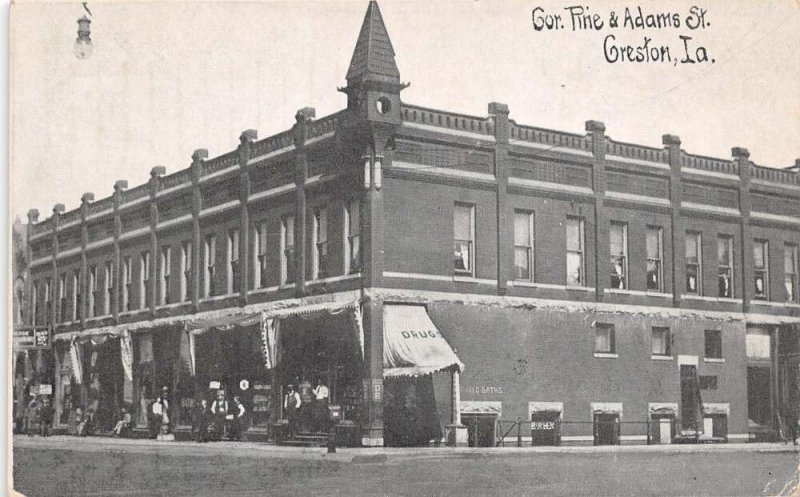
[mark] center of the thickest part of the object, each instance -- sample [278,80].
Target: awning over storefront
[223,322]
[412,345]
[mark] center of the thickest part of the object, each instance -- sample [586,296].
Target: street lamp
[83,44]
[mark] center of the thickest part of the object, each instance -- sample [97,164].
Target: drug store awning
[412,345]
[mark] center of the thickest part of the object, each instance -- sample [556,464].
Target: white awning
[412,345]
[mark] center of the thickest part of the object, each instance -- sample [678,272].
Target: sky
[167,78]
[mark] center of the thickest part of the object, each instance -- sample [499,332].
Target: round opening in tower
[384,105]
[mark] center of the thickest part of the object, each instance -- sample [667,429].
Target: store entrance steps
[319,439]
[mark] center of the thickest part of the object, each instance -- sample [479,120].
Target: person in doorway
[153,418]
[219,410]
[77,420]
[238,422]
[32,413]
[163,410]
[292,405]
[321,397]
[200,417]
[86,428]
[47,414]
[123,426]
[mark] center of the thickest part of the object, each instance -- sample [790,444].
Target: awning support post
[457,435]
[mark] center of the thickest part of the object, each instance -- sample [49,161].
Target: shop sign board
[45,389]
[41,338]
[23,338]
[29,337]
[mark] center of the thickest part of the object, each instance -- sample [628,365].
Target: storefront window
[234,359]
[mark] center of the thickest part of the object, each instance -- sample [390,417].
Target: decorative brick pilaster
[596,130]
[300,132]
[198,158]
[155,185]
[86,199]
[742,157]
[245,151]
[672,143]
[55,310]
[504,213]
[33,218]
[116,304]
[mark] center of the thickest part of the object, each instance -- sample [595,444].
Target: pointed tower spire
[373,57]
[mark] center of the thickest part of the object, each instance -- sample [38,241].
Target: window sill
[580,288]
[662,357]
[219,297]
[711,299]
[174,304]
[713,360]
[787,304]
[136,311]
[648,293]
[606,355]
[533,284]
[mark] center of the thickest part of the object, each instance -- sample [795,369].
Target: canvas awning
[412,345]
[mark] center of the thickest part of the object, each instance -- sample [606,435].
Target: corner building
[450,277]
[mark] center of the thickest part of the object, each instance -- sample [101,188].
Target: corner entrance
[759,402]
[606,429]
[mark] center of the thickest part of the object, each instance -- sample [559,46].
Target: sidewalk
[367,454]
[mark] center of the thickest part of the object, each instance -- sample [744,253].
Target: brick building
[437,271]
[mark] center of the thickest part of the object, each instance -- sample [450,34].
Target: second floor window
[725,266]
[604,339]
[320,242]
[618,249]
[47,302]
[109,287]
[761,269]
[352,226]
[76,294]
[575,268]
[523,245]
[62,297]
[166,269]
[186,270]
[790,271]
[654,258]
[260,257]
[93,296]
[127,282]
[209,266]
[694,263]
[713,344]
[34,298]
[287,250]
[233,262]
[144,280]
[661,341]
[464,239]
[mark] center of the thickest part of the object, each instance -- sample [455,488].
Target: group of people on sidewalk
[222,420]
[38,416]
[311,414]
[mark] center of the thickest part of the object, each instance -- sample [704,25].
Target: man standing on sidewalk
[292,404]
[47,414]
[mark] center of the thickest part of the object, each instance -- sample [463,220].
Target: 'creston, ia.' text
[580,18]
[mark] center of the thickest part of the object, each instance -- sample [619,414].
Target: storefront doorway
[321,349]
[106,378]
[759,400]
[234,359]
[410,412]
[606,428]
[481,429]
